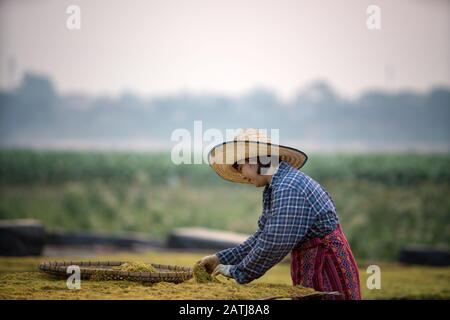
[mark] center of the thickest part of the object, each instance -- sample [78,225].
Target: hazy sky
[155,47]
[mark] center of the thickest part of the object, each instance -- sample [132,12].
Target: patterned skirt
[327,264]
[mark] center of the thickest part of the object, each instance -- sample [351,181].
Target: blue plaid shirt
[295,208]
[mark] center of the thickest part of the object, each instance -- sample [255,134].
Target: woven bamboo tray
[88,269]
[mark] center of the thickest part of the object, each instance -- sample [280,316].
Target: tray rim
[174,273]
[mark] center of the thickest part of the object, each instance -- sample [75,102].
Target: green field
[384,201]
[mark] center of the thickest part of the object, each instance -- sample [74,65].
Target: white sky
[155,47]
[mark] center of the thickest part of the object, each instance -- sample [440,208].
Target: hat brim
[222,157]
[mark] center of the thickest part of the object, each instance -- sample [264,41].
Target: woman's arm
[237,254]
[288,222]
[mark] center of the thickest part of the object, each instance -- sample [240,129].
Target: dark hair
[258,162]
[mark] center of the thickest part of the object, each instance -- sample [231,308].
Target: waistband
[325,240]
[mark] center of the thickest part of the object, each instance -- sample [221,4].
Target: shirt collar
[280,171]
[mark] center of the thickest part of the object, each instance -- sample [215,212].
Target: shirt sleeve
[287,223]
[236,254]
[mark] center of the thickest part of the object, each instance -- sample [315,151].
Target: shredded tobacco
[103,275]
[135,267]
[201,275]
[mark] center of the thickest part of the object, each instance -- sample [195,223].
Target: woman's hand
[223,269]
[209,262]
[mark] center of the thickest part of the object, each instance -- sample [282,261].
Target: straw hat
[249,143]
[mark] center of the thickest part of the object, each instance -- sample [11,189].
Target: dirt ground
[19,279]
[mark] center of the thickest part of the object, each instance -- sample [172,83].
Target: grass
[377,219]
[384,201]
[54,167]
[20,280]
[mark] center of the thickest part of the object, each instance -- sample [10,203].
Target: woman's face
[250,173]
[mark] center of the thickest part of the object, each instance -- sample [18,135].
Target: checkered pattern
[295,208]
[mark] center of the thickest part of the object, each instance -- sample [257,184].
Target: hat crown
[252,135]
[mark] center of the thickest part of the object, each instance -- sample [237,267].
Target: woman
[299,217]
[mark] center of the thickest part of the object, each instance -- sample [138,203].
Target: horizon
[257,89]
[35,115]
